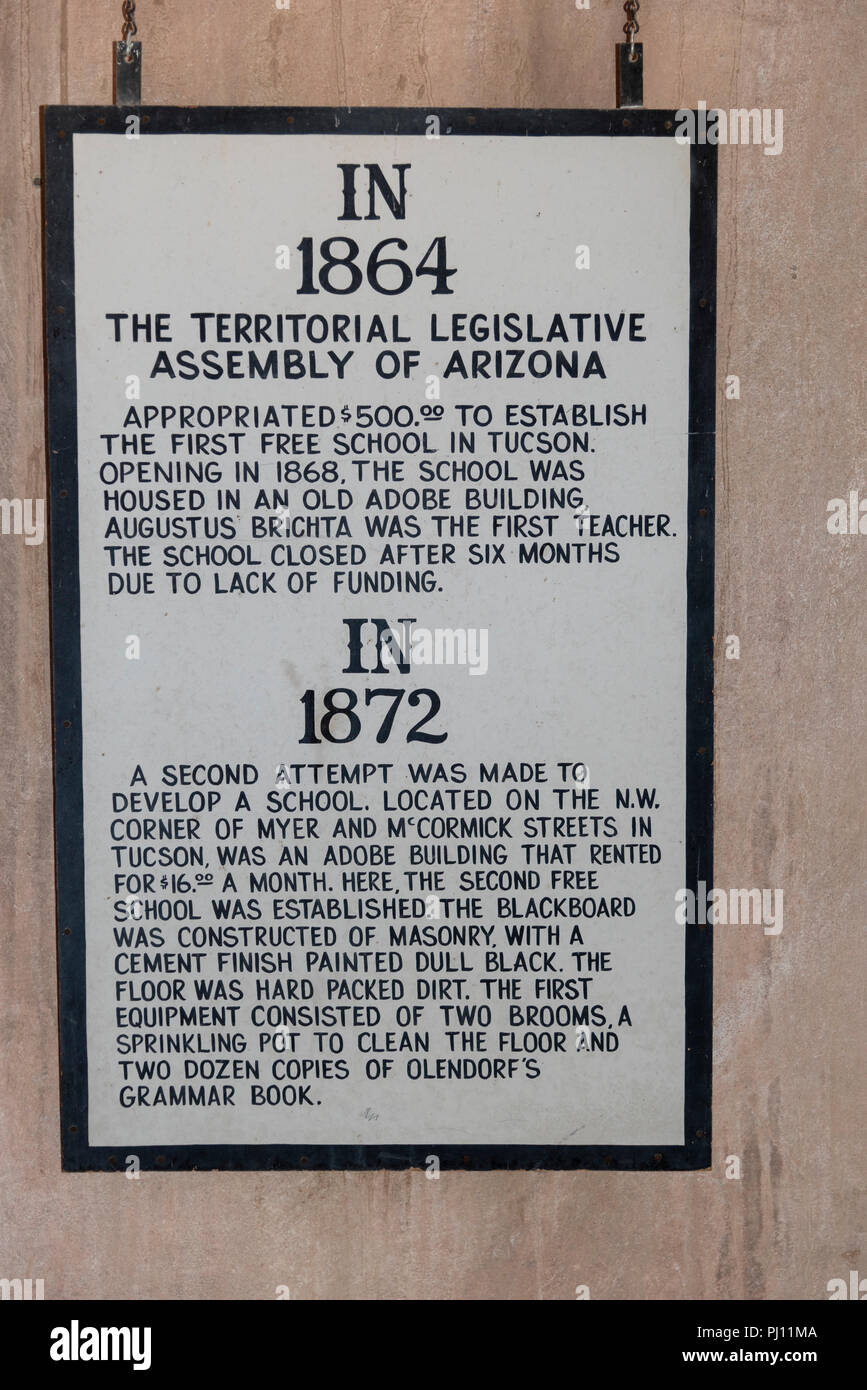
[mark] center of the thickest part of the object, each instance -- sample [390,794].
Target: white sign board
[382,514]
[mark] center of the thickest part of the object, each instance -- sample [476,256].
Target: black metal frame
[630,76]
[60,124]
[127,74]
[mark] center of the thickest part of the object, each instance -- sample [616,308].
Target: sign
[381,450]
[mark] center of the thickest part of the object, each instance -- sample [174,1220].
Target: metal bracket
[630,75]
[127,74]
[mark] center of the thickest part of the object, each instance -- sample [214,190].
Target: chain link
[129,24]
[630,28]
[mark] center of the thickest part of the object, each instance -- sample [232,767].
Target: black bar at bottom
[230,1338]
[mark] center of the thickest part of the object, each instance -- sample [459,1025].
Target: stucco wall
[790,765]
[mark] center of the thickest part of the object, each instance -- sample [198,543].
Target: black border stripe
[700,633]
[60,123]
[62,435]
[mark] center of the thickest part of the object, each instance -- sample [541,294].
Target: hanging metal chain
[630,28]
[127,60]
[130,28]
[630,62]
